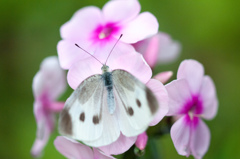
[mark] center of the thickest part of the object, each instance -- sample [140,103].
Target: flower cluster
[189,98]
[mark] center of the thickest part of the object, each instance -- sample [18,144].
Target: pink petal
[180,134]
[163,76]
[82,24]
[143,26]
[142,141]
[120,146]
[45,125]
[209,98]
[82,70]
[149,48]
[178,94]
[100,155]
[132,62]
[159,48]
[56,106]
[41,141]
[168,49]
[200,140]
[162,96]
[123,57]
[121,11]
[72,149]
[193,72]
[68,53]
[50,79]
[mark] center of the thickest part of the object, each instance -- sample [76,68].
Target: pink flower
[163,76]
[142,141]
[159,48]
[133,63]
[73,149]
[48,84]
[192,96]
[94,30]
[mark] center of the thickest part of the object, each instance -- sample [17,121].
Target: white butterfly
[104,105]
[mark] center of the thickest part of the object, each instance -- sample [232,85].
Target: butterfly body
[104,105]
[108,83]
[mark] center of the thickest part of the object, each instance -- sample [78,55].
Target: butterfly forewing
[136,104]
[81,116]
[85,115]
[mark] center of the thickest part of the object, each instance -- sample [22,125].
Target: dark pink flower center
[193,109]
[45,102]
[105,32]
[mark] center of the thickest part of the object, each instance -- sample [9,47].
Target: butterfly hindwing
[136,104]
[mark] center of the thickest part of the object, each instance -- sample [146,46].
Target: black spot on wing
[82,117]
[65,122]
[130,111]
[96,119]
[138,103]
[152,101]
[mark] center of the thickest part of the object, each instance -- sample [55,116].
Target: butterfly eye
[82,116]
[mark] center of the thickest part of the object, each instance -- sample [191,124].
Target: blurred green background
[209,31]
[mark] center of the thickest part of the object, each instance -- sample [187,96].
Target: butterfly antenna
[113,47]
[88,53]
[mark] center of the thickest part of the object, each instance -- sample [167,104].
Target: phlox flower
[48,84]
[133,63]
[75,150]
[163,76]
[142,141]
[158,49]
[191,97]
[94,30]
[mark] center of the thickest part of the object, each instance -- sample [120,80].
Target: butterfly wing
[136,104]
[84,115]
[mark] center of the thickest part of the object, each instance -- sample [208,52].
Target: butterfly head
[105,68]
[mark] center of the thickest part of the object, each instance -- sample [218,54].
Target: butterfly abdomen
[108,83]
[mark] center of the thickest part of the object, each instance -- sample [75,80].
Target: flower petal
[68,53]
[149,48]
[121,11]
[162,96]
[209,98]
[144,26]
[168,49]
[163,76]
[180,134]
[50,79]
[178,94]
[82,24]
[45,125]
[132,62]
[193,72]
[123,57]
[82,70]
[72,149]
[120,146]
[56,107]
[200,140]
[142,140]
[100,155]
